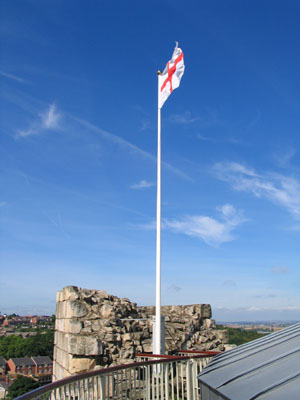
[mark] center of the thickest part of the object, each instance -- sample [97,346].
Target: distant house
[3,366]
[33,320]
[22,365]
[43,365]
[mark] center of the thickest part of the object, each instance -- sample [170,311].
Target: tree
[11,316]
[11,346]
[239,336]
[21,386]
[39,345]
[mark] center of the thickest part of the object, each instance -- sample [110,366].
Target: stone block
[79,365]
[205,310]
[58,372]
[137,335]
[147,347]
[61,310]
[207,323]
[60,324]
[107,311]
[110,337]
[126,353]
[58,297]
[61,340]
[127,337]
[72,326]
[69,293]
[75,309]
[85,345]
[222,335]
[62,358]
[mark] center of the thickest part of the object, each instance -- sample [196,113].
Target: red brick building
[43,365]
[22,365]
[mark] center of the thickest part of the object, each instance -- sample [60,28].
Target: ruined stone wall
[95,329]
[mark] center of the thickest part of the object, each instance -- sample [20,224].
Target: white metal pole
[157,338]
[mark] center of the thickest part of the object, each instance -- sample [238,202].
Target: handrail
[200,352]
[160,359]
[197,353]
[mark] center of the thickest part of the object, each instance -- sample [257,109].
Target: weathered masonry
[95,329]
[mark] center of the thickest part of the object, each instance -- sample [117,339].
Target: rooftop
[266,368]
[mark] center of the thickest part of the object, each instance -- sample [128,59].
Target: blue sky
[78,121]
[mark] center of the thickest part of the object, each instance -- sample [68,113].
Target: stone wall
[95,329]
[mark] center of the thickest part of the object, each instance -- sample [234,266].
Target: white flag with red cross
[169,79]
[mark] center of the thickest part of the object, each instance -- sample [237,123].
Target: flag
[169,79]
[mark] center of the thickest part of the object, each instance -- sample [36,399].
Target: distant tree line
[240,336]
[16,346]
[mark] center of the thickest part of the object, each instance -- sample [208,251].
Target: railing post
[189,380]
[195,379]
[102,387]
[161,377]
[166,379]
[148,380]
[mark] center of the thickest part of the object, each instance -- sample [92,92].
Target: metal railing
[169,377]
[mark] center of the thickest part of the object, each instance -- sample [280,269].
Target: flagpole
[157,339]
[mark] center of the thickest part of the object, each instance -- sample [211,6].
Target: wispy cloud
[13,77]
[48,120]
[280,189]
[279,270]
[143,184]
[51,119]
[126,144]
[211,139]
[185,118]
[145,125]
[265,296]
[2,203]
[210,230]
[283,158]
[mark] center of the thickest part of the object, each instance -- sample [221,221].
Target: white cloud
[185,118]
[48,120]
[280,189]
[142,185]
[13,77]
[284,157]
[2,203]
[210,230]
[51,117]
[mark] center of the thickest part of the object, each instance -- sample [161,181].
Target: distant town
[26,349]
[259,326]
